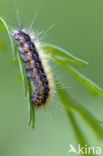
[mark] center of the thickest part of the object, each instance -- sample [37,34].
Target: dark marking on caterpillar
[34,68]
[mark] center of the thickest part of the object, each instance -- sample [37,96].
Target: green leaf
[4,26]
[62,55]
[64,58]
[23,73]
[31,109]
[71,106]
[28,92]
[81,139]
[93,88]
[90,85]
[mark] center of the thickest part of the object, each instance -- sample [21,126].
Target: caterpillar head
[21,37]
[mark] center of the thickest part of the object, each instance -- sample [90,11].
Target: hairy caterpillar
[36,68]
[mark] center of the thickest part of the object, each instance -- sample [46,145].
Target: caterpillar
[36,67]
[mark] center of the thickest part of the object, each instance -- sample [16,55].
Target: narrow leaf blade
[71,105]
[80,137]
[28,92]
[63,55]
[92,87]
[4,26]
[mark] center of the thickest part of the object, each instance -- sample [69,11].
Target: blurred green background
[78,29]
